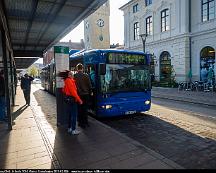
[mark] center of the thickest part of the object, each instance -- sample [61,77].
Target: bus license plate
[130,112]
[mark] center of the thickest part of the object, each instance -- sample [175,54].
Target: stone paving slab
[23,146]
[35,142]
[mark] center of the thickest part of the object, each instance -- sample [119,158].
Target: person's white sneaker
[75,132]
[69,130]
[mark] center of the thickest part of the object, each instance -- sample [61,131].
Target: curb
[54,160]
[184,100]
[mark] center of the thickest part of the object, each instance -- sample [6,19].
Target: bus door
[92,71]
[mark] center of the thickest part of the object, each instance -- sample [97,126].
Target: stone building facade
[96,28]
[180,33]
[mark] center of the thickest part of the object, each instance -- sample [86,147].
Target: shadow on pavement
[173,142]
[19,112]
[88,150]
[4,145]
[177,144]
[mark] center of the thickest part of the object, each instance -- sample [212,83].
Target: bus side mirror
[102,68]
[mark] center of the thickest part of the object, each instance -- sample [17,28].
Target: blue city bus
[121,80]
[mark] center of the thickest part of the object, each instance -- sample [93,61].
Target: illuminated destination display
[124,58]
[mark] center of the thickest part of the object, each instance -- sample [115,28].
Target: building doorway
[207,64]
[165,67]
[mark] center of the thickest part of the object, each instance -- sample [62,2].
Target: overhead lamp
[143,37]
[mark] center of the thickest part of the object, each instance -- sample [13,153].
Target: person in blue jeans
[72,99]
[2,96]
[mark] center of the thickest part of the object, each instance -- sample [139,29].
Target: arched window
[207,64]
[165,67]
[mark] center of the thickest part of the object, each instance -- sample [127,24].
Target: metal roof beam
[20,53]
[24,62]
[52,20]
[12,14]
[29,44]
[33,10]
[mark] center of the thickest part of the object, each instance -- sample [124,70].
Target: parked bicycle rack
[196,86]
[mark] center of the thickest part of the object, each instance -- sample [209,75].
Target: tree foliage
[33,71]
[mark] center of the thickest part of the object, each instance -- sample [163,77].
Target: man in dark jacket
[84,88]
[26,87]
[2,96]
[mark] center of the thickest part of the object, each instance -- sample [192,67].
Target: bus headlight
[147,102]
[107,107]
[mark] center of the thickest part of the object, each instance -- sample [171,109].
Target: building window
[136,31]
[148,2]
[208,10]
[207,65]
[165,20]
[135,8]
[165,67]
[149,25]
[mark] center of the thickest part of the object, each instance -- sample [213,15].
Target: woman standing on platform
[71,98]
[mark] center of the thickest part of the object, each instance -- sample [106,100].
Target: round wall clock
[100,22]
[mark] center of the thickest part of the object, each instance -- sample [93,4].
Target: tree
[33,71]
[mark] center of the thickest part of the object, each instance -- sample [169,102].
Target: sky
[116,25]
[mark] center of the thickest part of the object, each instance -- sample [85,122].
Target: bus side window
[102,69]
[91,73]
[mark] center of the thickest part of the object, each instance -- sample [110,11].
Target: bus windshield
[125,78]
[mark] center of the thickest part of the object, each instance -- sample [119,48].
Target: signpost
[61,57]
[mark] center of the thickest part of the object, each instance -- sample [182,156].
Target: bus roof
[105,51]
[72,51]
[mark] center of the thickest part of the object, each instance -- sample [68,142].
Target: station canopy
[36,25]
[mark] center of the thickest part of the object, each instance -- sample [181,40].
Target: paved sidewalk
[23,147]
[36,143]
[205,98]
